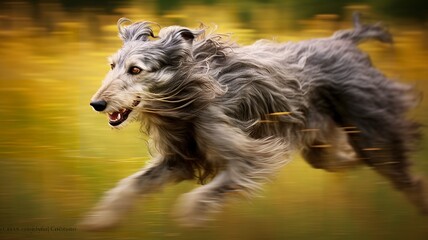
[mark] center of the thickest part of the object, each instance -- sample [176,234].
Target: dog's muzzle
[99,105]
[115,117]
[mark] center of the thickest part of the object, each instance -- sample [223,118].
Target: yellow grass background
[57,156]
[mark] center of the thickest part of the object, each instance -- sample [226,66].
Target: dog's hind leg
[383,137]
[390,160]
[329,148]
[120,200]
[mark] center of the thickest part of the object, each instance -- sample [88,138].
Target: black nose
[99,105]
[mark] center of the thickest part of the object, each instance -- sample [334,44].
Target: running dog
[230,116]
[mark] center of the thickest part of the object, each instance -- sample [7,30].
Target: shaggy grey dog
[232,115]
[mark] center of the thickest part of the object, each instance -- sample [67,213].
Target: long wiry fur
[231,115]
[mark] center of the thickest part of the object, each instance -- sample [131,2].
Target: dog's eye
[112,66]
[134,70]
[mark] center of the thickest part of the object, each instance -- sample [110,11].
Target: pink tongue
[114,116]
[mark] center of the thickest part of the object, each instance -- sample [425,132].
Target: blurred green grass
[57,156]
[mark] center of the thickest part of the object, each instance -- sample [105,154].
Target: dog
[230,116]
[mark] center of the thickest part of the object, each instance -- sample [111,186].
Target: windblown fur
[231,115]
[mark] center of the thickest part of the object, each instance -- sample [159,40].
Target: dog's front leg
[195,207]
[246,163]
[119,200]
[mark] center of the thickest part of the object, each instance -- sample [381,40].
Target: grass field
[57,156]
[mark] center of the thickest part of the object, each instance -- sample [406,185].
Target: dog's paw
[418,195]
[193,210]
[422,203]
[99,220]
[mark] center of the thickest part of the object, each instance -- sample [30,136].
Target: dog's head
[143,63]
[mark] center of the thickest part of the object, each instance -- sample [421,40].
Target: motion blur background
[57,156]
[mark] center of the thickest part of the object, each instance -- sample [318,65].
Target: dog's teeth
[118,116]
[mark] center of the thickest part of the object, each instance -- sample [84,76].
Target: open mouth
[117,118]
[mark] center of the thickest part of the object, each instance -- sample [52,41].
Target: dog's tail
[362,32]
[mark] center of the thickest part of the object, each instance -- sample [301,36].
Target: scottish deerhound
[230,116]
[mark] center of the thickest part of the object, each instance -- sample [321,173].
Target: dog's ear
[189,35]
[135,31]
[178,34]
[176,42]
